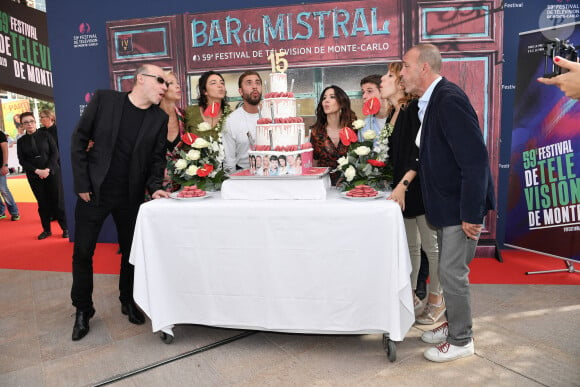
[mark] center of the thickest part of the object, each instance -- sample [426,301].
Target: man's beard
[252,101]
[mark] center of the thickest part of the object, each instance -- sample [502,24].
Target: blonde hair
[48,113]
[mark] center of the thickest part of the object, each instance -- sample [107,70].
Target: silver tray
[311,173]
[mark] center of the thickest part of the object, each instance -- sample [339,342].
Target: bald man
[127,132]
[457,190]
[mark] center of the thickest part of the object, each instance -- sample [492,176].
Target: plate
[379,195]
[173,195]
[308,173]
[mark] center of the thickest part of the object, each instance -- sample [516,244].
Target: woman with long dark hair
[332,114]
[206,122]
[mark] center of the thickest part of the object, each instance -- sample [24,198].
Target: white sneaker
[447,352]
[437,335]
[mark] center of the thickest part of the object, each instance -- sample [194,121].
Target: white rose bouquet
[364,163]
[197,161]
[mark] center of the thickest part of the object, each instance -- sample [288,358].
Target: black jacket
[100,123]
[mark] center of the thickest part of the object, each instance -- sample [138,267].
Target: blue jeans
[7,196]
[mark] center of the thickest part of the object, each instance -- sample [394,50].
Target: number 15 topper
[279,63]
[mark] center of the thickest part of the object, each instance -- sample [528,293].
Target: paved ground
[526,335]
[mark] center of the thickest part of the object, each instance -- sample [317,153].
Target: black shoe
[65,233]
[421,290]
[44,235]
[135,315]
[81,327]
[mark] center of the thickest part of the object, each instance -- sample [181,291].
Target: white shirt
[423,102]
[373,123]
[235,138]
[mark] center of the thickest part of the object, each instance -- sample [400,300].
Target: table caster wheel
[166,338]
[390,348]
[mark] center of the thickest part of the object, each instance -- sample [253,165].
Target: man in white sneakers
[240,126]
[457,190]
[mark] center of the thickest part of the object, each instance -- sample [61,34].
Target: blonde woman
[176,123]
[48,122]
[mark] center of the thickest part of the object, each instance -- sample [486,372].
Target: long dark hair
[202,88]
[347,116]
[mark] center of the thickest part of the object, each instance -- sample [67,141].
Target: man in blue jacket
[457,190]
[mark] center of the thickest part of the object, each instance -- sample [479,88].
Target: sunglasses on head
[159,79]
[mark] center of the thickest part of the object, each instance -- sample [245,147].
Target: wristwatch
[405,182]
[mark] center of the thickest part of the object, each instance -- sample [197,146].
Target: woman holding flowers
[332,114]
[198,157]
[403,125]
[208,117]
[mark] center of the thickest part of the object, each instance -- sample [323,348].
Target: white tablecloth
[333,266]
[277,189]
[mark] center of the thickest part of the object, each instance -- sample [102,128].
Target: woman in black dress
[403,154]
[38,155]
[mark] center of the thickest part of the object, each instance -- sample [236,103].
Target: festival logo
[87,98]
[85,37]
[84,28]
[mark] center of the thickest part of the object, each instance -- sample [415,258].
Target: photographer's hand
[568,82]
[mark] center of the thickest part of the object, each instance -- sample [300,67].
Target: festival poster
[10,109]
[25,63]
[544,189]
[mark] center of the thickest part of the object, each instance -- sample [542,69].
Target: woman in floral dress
[332,114]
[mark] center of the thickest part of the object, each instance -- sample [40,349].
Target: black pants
[48,194]
[89,218]
[424,268]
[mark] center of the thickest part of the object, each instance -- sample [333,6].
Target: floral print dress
[326,153]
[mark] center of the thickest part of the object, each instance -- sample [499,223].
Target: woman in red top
[332,114]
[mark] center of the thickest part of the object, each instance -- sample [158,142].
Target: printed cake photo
[280,147]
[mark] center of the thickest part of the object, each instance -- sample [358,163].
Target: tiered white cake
[280,146]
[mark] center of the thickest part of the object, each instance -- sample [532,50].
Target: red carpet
[19,249]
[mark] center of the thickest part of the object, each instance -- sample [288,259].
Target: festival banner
[310,35]
[544,189]
[25,64]
[11,110]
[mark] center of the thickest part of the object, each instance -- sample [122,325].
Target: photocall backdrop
[544,188]
[78,41]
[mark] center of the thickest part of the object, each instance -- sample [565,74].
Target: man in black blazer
[457,190]
[117,151]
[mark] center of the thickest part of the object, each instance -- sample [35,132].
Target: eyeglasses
[159,79]
[27,122]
